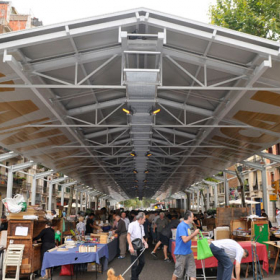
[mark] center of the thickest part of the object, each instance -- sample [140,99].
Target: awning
[63,88]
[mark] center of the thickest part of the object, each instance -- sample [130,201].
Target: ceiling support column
[50,195]
[10,184]
[226,189]
[215,195]
[264,189]
[77,201]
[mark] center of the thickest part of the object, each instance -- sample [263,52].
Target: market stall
[212,262]
[73,256]
[22,232]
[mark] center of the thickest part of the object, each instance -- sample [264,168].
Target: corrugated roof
[217,90]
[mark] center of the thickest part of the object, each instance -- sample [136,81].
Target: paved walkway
[155,269]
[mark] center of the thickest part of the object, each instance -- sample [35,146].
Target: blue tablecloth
[113,249]
[72,256]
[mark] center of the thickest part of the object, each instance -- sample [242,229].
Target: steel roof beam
[93,107]
[269,156]
[7,156]
[255,165]
[208,36]
[104,132]
[176,132]
[188,108]
[60,35]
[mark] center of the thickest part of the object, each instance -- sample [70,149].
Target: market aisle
[153,270]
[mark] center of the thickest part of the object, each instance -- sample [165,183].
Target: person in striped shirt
[226,251]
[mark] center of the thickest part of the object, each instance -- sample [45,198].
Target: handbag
[137,244]
[203,248]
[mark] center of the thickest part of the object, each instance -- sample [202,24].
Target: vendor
[197,222]
[91,224]
[47,235]
[4,223]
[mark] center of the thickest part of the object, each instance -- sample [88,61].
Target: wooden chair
[13,257]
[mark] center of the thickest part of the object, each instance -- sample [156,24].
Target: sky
[56,11]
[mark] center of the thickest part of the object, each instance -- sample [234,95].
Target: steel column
[62,196]
[192,201]
[77,200]
[215,195]
[50,195]
[33,191]
[81,201]
[86,195]
[264,189]
[10,183]
[198,202]
[226,189]
[207,199]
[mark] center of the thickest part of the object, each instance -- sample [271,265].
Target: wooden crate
[240,223]
[226,215]
[210,223]
[103,237]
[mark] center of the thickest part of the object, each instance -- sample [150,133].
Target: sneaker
[154,254]
[121,257]
[167,260]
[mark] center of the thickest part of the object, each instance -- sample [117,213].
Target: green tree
[257,17]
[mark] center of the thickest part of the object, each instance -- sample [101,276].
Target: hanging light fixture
[156,111]
[133,154]
[148,154]
[146,171]
[126,111]
[135,171]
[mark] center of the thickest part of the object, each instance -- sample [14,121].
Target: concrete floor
[155,269]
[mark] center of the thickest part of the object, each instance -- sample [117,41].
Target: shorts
[182,262]
[164,239]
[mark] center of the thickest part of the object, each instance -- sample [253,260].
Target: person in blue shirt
[183,252]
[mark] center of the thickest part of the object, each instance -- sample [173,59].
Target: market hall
[132,104]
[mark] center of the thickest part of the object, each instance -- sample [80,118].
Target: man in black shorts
[164,237]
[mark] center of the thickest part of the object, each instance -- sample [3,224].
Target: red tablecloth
[212,262]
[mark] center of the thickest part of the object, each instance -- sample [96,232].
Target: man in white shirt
[135,231]
[125,219]
[226,251]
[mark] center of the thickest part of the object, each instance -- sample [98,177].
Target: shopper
[47,236]
[160,224]
[81,226]
[278,216]
[136,231]
[125,219]
[154,232]
[183,253]
[226,251]
[164,237]
[122,232]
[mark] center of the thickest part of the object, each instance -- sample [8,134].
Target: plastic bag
[203,249]
[11,205]
[49,217]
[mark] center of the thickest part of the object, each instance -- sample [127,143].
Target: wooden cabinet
[31,260]
[256,228]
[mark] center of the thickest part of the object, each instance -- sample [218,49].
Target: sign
[275,186]
[273,197]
